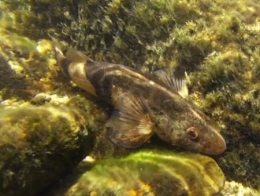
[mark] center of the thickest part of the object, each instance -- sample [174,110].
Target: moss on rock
[151,173]
[39,145]
[215,42]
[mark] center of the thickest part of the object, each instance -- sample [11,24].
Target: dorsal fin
[178,85]
[131,123]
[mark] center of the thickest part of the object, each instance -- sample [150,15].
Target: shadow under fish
[142,105]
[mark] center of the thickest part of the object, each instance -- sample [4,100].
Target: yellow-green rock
[232,188]
[39,145]
[153,173]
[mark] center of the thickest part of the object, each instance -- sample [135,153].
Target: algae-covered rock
[232,188]
[157,173]
[39,145]
[215,42]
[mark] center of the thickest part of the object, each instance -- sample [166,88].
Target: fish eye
[193,133]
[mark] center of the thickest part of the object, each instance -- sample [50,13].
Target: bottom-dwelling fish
[142,105]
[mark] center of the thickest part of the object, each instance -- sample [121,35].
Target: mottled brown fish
[142,106]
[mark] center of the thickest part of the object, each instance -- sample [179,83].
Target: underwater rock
[151,173]
[232,188]
[215,42]
[39,145]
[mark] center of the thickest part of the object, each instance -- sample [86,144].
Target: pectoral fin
[178,85]
[131,124]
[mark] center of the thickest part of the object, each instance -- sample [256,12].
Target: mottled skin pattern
[142,106]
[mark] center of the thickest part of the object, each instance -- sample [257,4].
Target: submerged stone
[233,188]
[221,58]
[39,145]
[152,173]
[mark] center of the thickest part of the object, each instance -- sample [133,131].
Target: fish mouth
[217,148]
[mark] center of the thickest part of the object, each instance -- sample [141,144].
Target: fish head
[191,130]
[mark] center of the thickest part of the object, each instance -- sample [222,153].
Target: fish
[143,104]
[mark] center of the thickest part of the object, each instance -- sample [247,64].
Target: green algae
[215,42]
[234,188]
[42,143]
[24,70]
[151,173]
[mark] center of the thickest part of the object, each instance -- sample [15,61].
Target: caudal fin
[58,52]
[62,61]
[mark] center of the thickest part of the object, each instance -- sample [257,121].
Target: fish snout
[215,147]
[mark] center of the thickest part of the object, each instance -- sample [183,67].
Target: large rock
[215,42]
[39,145]
[158,173]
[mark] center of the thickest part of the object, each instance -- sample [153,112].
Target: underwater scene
[129,98]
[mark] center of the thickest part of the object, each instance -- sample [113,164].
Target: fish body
[142,105]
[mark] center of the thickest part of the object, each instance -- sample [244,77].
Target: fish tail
[57,48]
[62,61]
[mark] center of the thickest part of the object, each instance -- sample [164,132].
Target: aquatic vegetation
[215,42]
[24,70]
[234,189]
[151,173]
[39,145]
